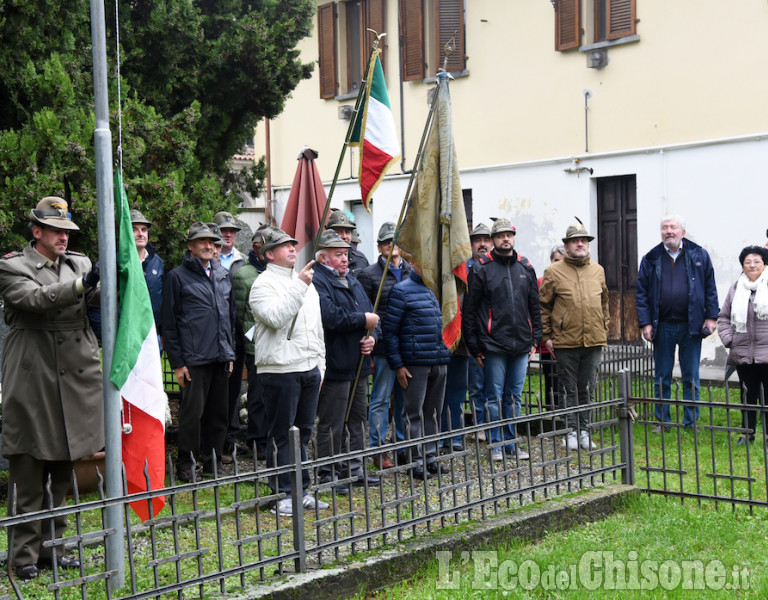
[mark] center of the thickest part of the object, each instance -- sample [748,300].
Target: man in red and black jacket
[502,325]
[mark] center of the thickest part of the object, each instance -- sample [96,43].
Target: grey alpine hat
[330,239]
[577,230]
[225,220]
[138,219]
[53,211]
[501,225]
[219,241]
[340,219]
[480,229]
[276,237]
[386,232]
[199,230]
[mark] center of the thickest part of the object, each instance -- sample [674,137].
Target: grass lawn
[646,550]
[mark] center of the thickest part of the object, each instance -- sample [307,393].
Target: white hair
[556,249]
[676,218]
[321,252]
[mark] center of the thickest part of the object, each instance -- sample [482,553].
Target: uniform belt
[50,325]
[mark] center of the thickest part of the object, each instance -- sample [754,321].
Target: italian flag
[136,371]
[374,132]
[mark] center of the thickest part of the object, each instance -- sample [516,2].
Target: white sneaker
[571,442]
[481,436]
[586,443]
[284,508]
[497,455]
[522,454]
[310,503]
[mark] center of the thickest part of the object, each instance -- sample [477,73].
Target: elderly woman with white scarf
[743,328]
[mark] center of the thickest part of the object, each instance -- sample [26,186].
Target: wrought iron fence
[717,460]
[223,533]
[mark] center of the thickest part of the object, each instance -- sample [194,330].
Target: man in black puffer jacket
[502,325]
[413,338]
[199,338]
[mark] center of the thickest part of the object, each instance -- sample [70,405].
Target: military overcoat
[52,387]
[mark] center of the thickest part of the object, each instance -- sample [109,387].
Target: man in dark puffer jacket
[413,339]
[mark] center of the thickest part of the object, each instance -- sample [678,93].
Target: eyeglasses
[753,263]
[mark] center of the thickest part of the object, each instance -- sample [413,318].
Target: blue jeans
[378,410]
[476,387]
[504,380]
[455,395]
[669,335]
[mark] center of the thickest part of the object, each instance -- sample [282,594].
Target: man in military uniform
[344,226]
[52,387]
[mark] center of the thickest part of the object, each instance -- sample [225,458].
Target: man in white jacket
[289,352]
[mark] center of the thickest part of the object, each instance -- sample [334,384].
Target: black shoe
[27,572]
[434,467]
[341,489]
[419,473]
[402,458]
[361,479]
[63,562]
[186,476]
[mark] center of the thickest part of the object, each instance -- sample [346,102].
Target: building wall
[682,108]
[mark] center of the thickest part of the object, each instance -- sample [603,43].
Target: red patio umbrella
[305,207]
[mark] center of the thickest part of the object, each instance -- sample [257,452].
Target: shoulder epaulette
[12,254]
[74,253]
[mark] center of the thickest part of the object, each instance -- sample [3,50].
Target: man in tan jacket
[574,314]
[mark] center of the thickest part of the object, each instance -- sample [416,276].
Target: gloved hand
[91,278]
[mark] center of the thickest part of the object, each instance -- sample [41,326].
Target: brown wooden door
[617,252]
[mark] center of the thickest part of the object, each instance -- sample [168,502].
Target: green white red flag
[137,372]
[374,132]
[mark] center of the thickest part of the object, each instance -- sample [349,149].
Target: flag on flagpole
[434,229]
[137,372]
[374,132]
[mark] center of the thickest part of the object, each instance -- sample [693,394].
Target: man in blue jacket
[154,269]
[677,306]
[413,338]
[347,314]
[199,337]
[383,377]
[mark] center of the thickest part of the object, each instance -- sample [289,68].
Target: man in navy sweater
[676,307]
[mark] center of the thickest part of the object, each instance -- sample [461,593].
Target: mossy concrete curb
[392,565]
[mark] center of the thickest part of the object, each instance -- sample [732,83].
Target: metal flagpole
[350,129]
[448,49]
[107,261]
[403,208]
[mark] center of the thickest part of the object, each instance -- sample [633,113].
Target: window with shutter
[449,19]
[374,19]
[620,18]
[614,19]
[326,27]
[412,39]
[567,24]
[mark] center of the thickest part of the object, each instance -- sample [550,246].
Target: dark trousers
[203,415]
[754,378]
[30,477]
[551,400]
[234,430]
[291,401]
[577,369]
[422,406]
[333,437]
[256,433]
